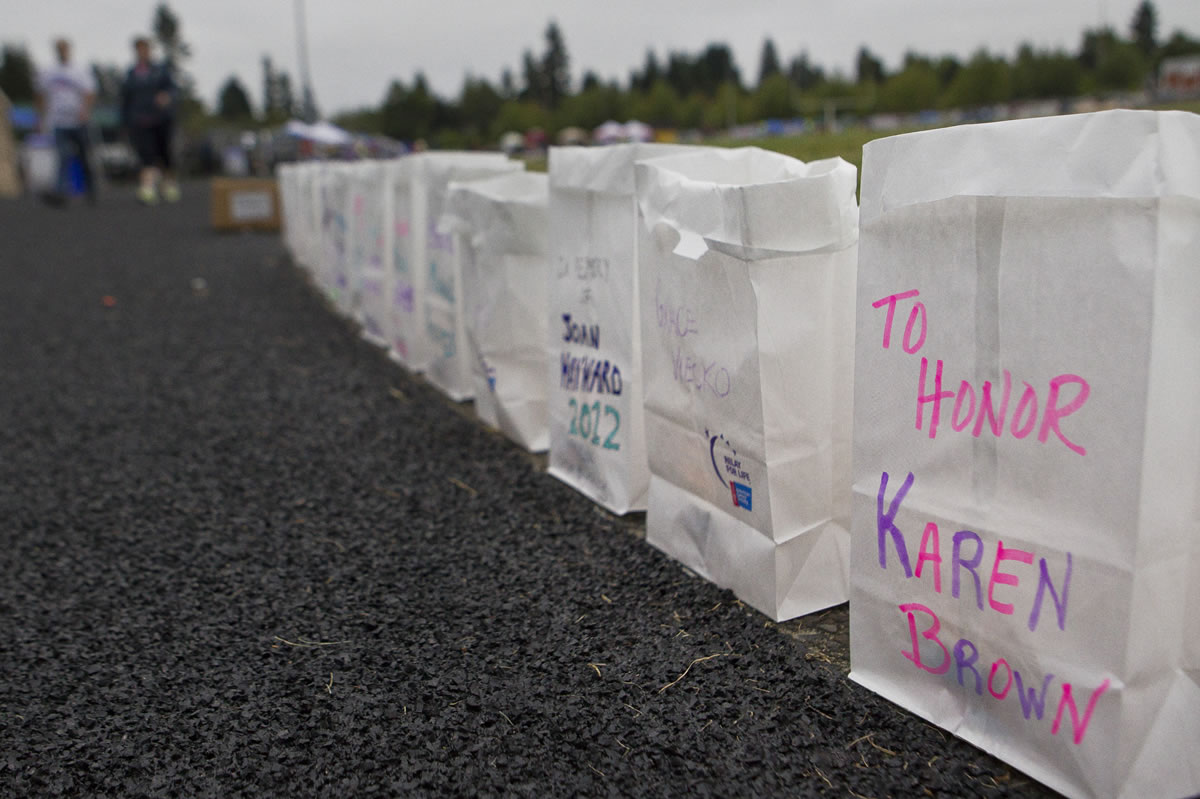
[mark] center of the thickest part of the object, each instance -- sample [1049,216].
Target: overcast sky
[356,47]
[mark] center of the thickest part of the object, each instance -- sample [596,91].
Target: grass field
[847,143]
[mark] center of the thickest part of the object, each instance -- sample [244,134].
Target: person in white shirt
[65,95]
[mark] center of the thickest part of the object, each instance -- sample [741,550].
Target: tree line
[707,91]
[704,90]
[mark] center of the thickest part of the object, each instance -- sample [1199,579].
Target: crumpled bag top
[450,165]
[750,203]
[607,169]
[1107,154]
[507,213]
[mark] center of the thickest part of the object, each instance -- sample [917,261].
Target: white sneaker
[171,193]
[147,195]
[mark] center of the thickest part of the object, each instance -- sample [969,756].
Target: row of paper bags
[973,410]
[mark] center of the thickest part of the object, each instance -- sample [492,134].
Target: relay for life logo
[729,470]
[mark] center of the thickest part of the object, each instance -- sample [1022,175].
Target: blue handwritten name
[677,319]
[438,283]
[576,333]
[701,374]
[590,374]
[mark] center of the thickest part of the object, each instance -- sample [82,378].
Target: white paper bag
[404,234]
[423,308]
[502,223]
[314,244]
[367,270]
[39,164]
[296,200]
[1025,562]
[288,177]
[596,357]
[332,276]
[450,367]
[747,262]
[308,199]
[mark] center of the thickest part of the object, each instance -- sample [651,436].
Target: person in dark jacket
[148,112]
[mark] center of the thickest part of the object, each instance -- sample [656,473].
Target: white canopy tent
[321,132]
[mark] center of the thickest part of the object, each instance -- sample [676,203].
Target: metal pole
[309,102]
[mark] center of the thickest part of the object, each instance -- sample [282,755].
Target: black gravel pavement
[243,554]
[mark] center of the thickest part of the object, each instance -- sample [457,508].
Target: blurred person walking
[65,95]
[148,112]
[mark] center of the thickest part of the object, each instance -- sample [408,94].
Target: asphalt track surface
[243,554]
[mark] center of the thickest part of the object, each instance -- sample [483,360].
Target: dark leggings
[152,144]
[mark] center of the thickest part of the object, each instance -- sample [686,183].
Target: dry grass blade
[885,750]
[302,643]
[871,741]
[463,486]
[814,709]
[689,668]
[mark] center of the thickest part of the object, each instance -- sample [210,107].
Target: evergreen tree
[715,67]
[1144,27]
[108,83]
[556,67]
[681,73]
[1044,75]
[308,105]
[947,69]
[268,90]
[985,80]
[391,114]
[409,114]
[868,68]
[658,107]
[803,74]
[233,104]
[768,63]
[167,32]
[478,105]
[1180,44]
[651,73]
[914,88]
[287,99]
[773,98]
[277,92]
[534,80]
[1095,44]
[17,74]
